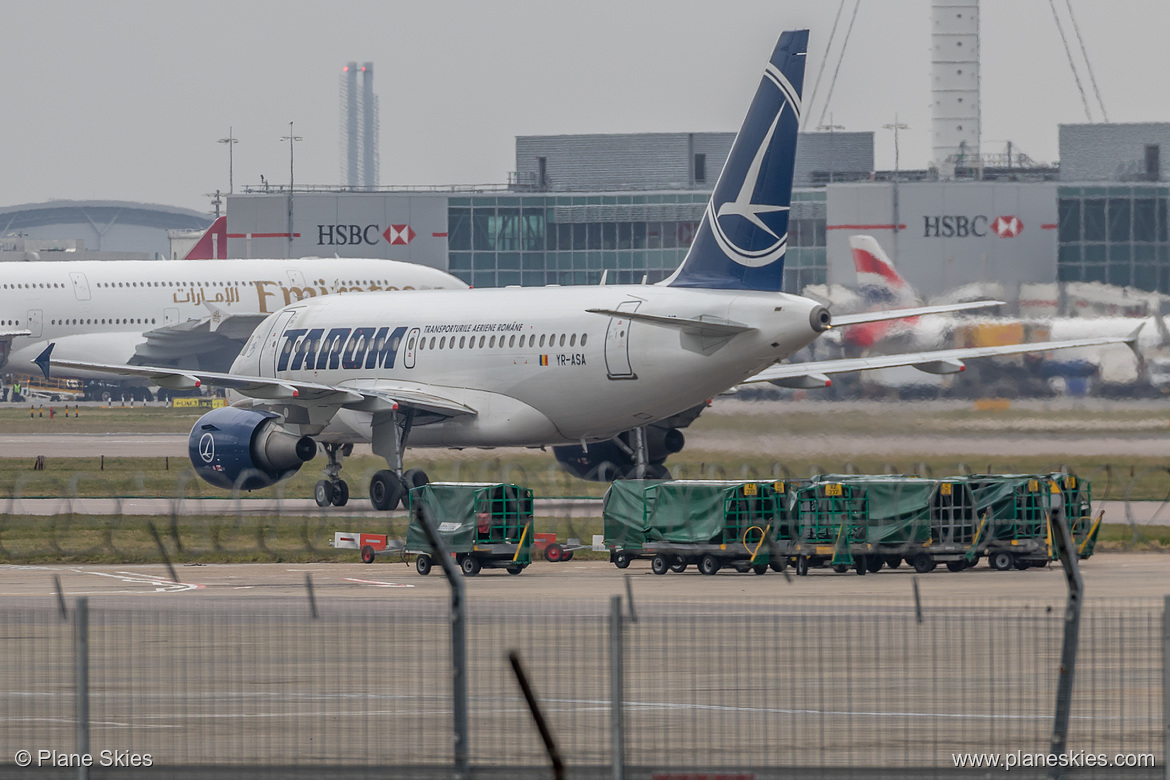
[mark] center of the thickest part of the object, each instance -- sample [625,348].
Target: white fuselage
[535,366]
[98,311]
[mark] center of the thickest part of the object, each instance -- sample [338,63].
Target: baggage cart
[484,525]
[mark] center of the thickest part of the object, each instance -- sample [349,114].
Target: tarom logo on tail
[742,239]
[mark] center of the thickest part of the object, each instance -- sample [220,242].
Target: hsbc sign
[978,226]
[369,235]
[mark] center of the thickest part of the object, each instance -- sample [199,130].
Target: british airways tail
[880,283]
[742,239]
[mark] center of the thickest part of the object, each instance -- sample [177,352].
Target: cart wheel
[568,555]
[840,568]
[801,565]
[367,554]
[660,565]
[924,564]
[861,565]
[515,568]
[956,565]
[554,553]
[422,564]
[894,561]
[679,565]
[1022,564]
[874,564]
[323,493]
[621,559]
[778,564]
[470,565]
[708,564]
[1001,560]
[761,569]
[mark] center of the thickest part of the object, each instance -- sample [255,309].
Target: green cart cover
[467,514]
[625,513]
[1016,504]
[711,511]
[899,507]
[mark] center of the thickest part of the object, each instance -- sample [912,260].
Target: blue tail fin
[741,242]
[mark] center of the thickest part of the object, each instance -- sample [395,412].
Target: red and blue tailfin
[742,239]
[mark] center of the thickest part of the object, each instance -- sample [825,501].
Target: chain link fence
[258,687]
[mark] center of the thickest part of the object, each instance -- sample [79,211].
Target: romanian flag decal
[544,360]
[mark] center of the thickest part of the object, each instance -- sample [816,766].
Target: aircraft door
[617,344]
[271,349]
[411,348]
[34,322]
[296,277]
[80,285]
[170,316]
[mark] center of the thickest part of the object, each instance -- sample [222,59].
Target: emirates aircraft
[536,366]
[181,313]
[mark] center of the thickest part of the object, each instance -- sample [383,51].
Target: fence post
[81,681]
[617,730]
[1166,682]
[458,646]
[1061,536]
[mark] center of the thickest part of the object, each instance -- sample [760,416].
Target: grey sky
[125,100]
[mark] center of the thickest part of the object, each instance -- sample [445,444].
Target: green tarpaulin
[688,512]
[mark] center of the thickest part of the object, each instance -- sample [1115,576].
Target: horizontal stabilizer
[709,327]
[917,311]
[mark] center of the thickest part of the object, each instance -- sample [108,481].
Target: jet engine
[245,448]
[608,460]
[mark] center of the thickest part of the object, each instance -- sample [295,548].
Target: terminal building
[626,206]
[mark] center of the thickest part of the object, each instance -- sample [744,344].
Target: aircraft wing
[859,318]
[943,361]
[381,397]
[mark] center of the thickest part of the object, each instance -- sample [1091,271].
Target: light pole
[896,126]
[231,141]
[290,138]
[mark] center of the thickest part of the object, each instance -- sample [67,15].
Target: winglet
[1132,340]
[42,359]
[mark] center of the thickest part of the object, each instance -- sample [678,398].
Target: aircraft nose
[820,319]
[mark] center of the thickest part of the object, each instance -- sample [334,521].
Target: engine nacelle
[245,448]
[607,460]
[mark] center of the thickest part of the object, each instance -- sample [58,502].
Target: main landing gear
[389,487]
[640,454]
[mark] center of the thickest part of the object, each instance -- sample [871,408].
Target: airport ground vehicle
[485,525]
[709,523]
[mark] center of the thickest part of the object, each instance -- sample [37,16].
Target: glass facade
[1115,235]
[521,239]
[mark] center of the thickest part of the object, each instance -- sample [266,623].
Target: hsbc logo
[1007,227]
[368,235]
[961,226]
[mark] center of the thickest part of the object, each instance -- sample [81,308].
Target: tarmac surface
[1107,575]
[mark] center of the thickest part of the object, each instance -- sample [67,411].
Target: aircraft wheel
[323,493]
[341,493]
[412,478]
[386,491]
[422,564]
